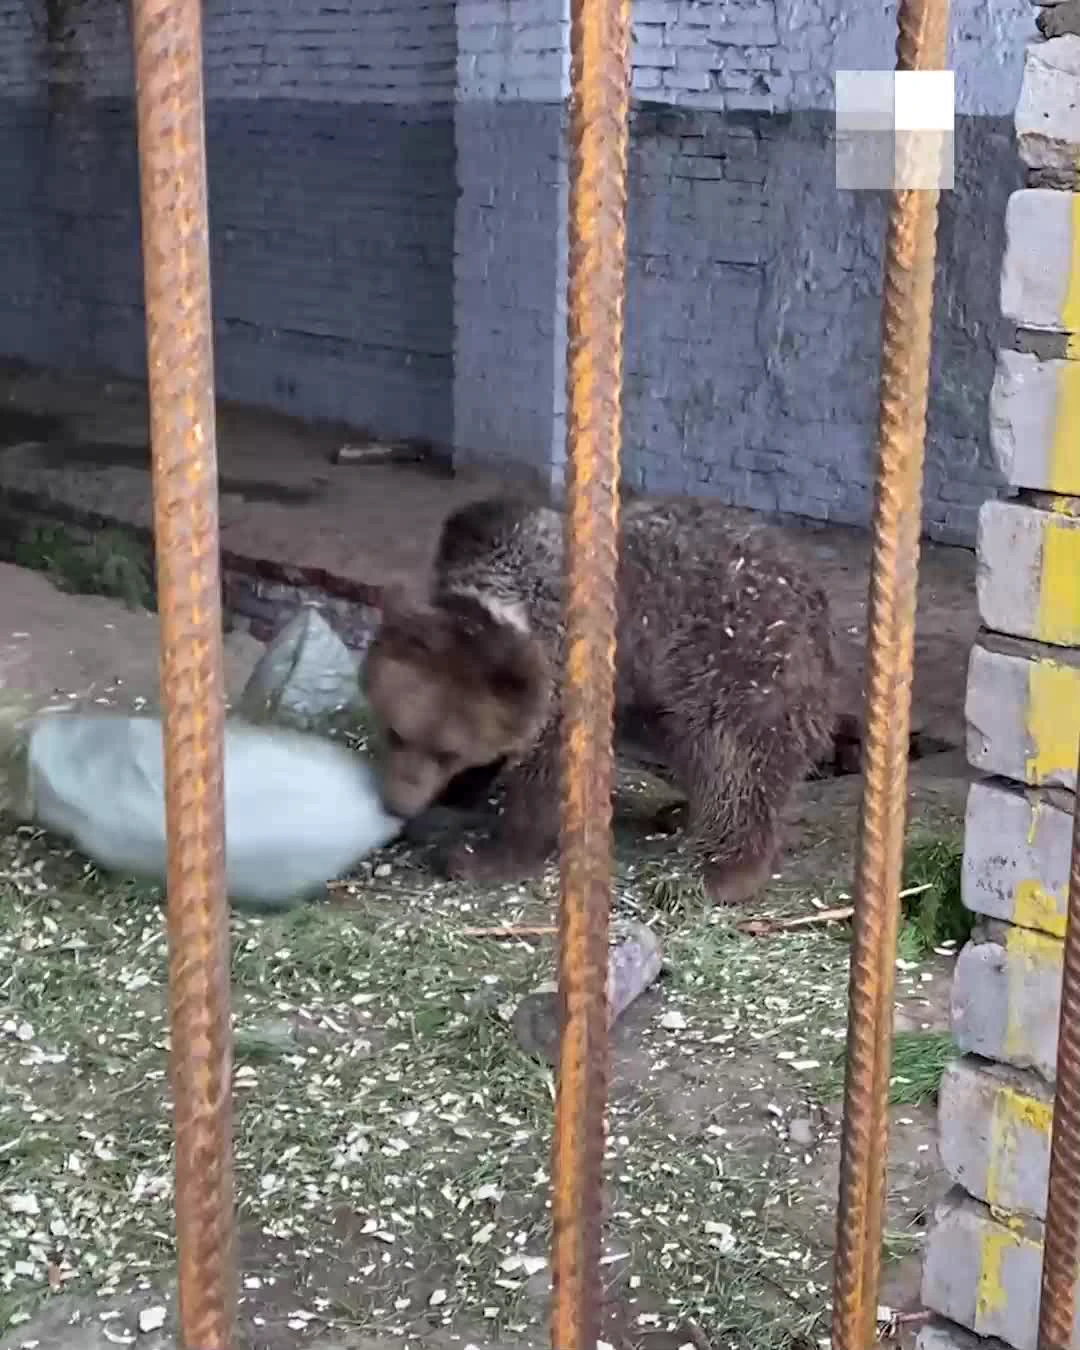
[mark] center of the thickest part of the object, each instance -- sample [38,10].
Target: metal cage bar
[172,170]
[1061,1246]
[905,360]
[597,238]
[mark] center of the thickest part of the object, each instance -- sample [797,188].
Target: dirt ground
[81,444]
[392,1144]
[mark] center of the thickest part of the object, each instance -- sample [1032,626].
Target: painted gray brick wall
[510,281]
[753,286]
[753,317]
[331,174]
[388,214]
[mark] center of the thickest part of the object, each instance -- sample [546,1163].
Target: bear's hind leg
[737,786]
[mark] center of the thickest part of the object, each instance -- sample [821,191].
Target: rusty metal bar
[905,361]
[172,169]
[1061,1243]
[597,239]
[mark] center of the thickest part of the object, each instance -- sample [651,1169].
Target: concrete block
[1035,422]
[1017,846]
[1023,711]
[1006,997]
[1028,575]
[1048,113]
[985,1274]
[1040,272]
[994,1134]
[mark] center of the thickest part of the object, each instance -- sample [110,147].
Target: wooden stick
[761,927]
[512,931]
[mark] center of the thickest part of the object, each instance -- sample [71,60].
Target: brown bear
[724,658]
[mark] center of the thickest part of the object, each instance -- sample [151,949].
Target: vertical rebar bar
[597,241]
[172,168]
[1061,1241]
[905,361]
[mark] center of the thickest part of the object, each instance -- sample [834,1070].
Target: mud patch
[18,426]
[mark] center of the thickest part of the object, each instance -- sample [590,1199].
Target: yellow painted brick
[1023,712]
[1028,576]
[994,1134]
[1035,421]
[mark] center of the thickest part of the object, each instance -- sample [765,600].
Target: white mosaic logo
[894,130]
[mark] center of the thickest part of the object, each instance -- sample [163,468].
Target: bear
[724,661]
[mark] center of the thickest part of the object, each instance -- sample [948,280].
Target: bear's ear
[517,676]
[408,631]
[396,602]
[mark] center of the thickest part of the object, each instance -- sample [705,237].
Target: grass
[391,1140]
[919,1060]
[936,915]
[110,563]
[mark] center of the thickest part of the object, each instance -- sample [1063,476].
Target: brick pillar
[984,1252]
[510,236]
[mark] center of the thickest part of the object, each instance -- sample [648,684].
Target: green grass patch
[918,1061]
[935,914]
[111,563]
[387,1125]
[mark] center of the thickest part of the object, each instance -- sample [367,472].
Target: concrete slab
[1035,422]
[1017,847]
[1023,711]
[1047,113]
[1042,253]
[1006,997]
[1028,571]
[984,1274]
[995,1125]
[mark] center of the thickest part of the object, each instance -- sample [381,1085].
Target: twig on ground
[762,927]
[511,930]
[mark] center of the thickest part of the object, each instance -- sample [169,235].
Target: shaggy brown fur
[724,655]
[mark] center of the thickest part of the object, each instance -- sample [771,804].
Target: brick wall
[388,193]
[330,150]
[510,235]
[753,318]
[725,57]
[753,290]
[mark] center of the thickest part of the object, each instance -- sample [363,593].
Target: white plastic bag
[299,810]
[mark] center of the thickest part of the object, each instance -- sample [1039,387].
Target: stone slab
[984,1274]
[942,1335]
[1023,711]
[1048,112]
[1058,19]
[994,1134]
[1017,846]
[1035,422]
[1040,270]
[1027,578]
[1006,997]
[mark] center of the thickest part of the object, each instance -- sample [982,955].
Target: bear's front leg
[528,830]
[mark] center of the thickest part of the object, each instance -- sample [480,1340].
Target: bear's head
[451,687]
